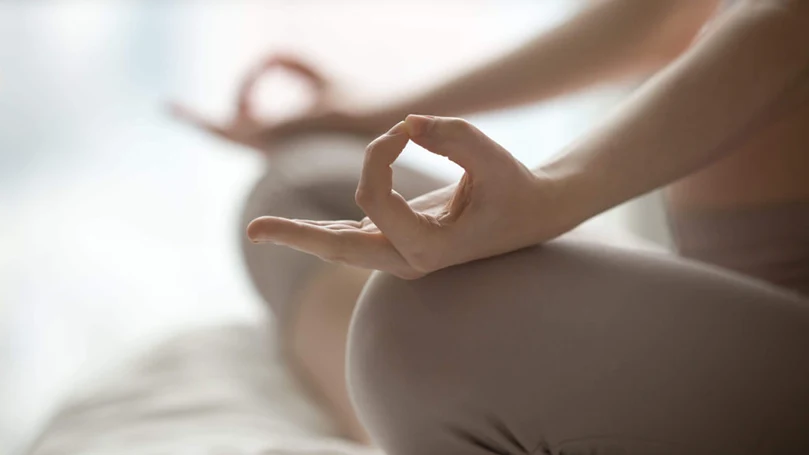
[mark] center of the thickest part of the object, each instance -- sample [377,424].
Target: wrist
[573,192]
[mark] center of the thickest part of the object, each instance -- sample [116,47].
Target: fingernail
[261,240]
[255,238]
[418,125]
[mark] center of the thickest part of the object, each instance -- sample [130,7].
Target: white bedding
[221,390]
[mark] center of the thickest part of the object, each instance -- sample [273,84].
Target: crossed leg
[576,347]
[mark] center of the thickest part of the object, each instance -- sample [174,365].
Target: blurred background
[118,225]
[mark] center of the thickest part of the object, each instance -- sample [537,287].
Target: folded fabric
[219,390]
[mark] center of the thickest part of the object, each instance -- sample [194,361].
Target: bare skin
[724,124]
[739,80]
[317,341]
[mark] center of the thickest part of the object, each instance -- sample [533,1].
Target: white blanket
[217,391]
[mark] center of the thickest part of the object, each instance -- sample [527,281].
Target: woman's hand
[498,206]
[247,129]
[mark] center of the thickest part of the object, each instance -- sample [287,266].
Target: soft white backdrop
[118,226]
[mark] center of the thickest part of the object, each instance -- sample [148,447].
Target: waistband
[770,243]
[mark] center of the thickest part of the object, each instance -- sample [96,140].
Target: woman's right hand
[498,206]
[247,129]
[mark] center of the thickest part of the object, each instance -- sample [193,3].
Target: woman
[575,347]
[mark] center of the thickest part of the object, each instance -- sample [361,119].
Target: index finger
[389,211]
[244,102]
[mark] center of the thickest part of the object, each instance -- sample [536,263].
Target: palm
[362,243]
[245,129]
[432,209]
[489,212]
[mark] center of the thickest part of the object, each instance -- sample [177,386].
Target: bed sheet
[213,390]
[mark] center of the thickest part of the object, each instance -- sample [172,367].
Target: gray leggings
[580,348]
[573,347]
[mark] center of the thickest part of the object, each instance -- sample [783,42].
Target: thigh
[575,347]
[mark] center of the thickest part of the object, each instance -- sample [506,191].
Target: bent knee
[437,328]
[431,327]
[388,336]
[418,349]
[522,334]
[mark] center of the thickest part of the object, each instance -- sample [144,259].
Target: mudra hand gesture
[498,206]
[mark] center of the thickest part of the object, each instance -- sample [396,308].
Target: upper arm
[660,30]
[682,21]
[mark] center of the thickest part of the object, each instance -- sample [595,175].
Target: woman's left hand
[498,206]
[247,128]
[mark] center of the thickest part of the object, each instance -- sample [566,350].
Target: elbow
[794,13]
[788,6]
[680,24]
[789,17]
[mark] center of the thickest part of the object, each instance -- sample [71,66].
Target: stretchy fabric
[771,243]
[573,347]
[580,348]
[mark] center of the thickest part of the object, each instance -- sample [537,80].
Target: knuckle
[458,125]
[363,197]
[372,148]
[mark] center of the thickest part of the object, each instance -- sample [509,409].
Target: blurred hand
[498,206]
[247,129]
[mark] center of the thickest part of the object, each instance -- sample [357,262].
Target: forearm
[608,40]
[752,66]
